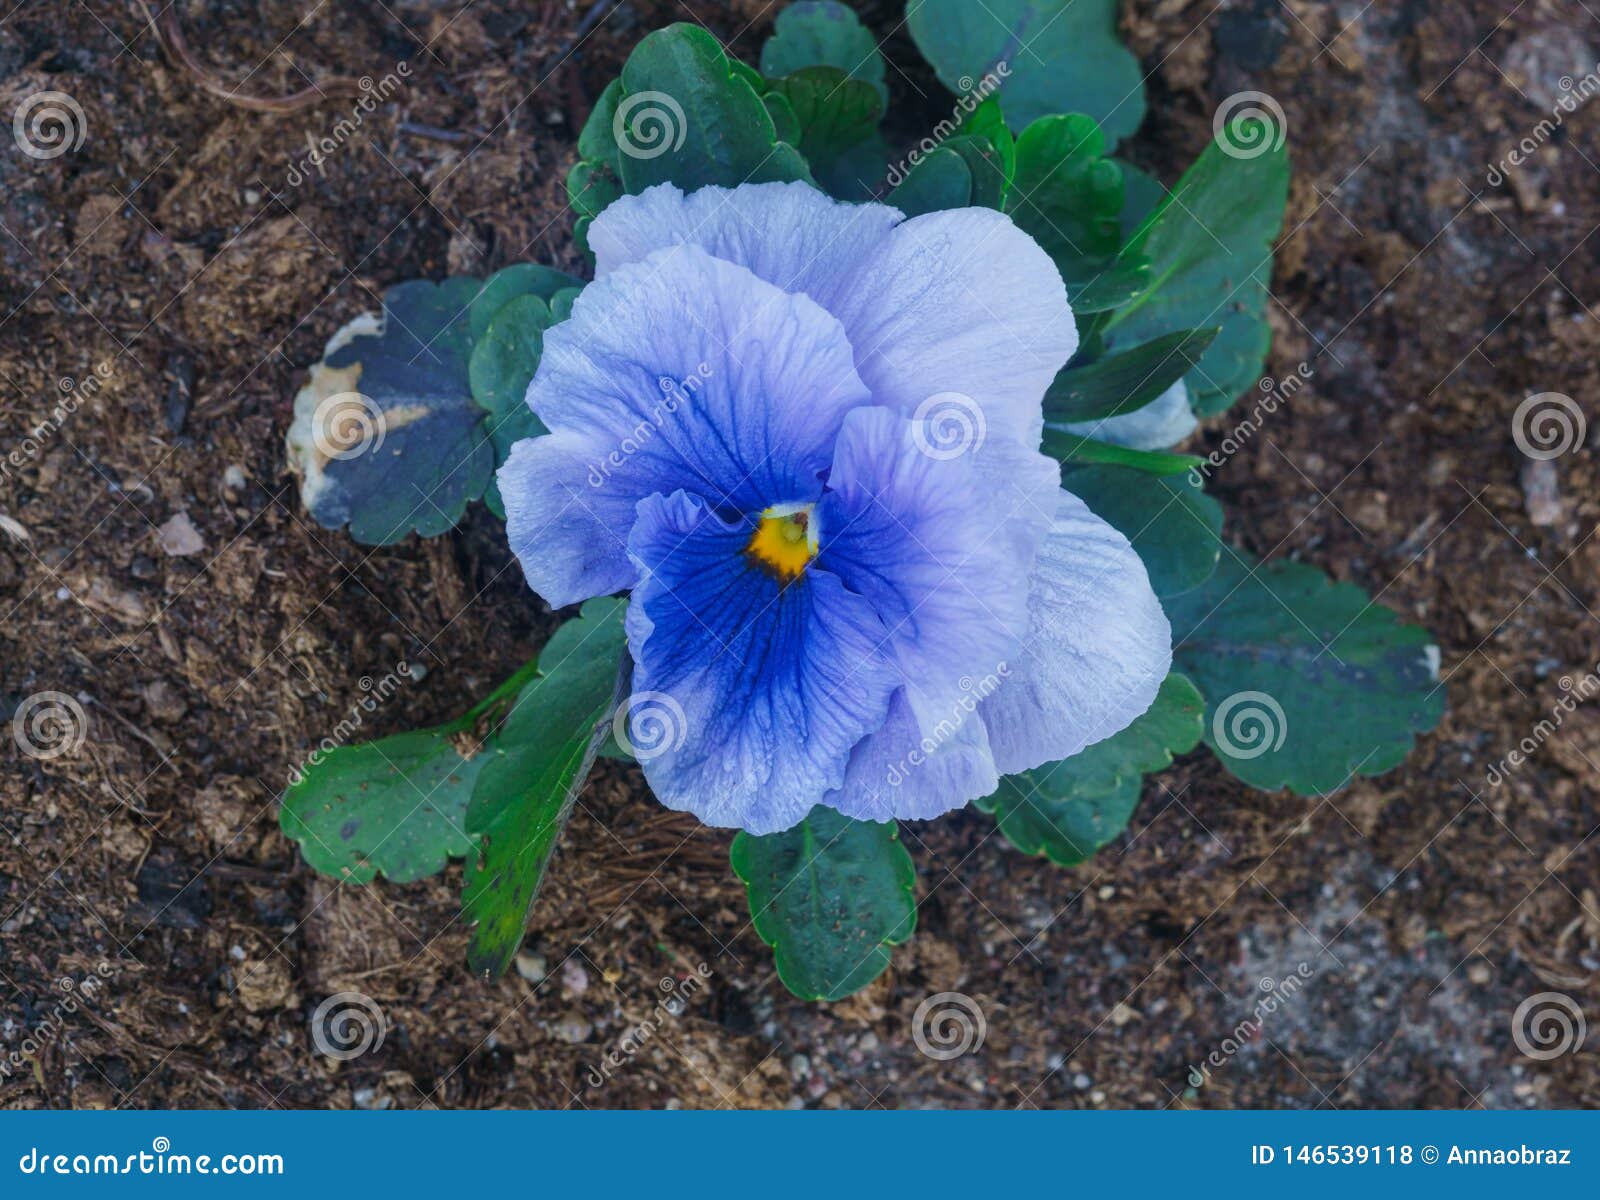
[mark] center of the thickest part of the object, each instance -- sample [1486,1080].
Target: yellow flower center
[785,541]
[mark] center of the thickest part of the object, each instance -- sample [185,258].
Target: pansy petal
[1097,650]
[909,527]
[961,304]
[681,371]
[908,772]
[789,234]
[775,683]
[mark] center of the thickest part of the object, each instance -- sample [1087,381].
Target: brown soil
[172,247]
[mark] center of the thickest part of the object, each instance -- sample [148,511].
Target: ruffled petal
[1159,425]
[961,305]
[681,371]
[958,304]
[1097,649]
[905,772]
[913,531]
[790,234]
[772,685]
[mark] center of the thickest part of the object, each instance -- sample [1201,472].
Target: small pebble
[233,478]
[572,1029]
[532,967]
[178,536]
[574,978]
[800,1066]
[1081,1081]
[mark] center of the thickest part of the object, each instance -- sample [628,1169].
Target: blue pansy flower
[805,435]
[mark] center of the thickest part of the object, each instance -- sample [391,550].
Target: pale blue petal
[680,371]
[903,771]
[917,535]
[1097,649]
[959,302]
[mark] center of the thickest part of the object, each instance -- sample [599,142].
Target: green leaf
[987,165]
[1124,382]
[523,279]
[784,121]
[1067,194]
[986,121]
[535,767]
[1174,526]
[687,116]
[822,33]
[855,175]
[939,181]
[1209,245]
[502,366]
[1060,56]
[1142,195]
[1068,810]
[831,897]
[386,438]
[397,805]
[833,112]
[592,187]
[1307,681]
[561,303]
[1081,451]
